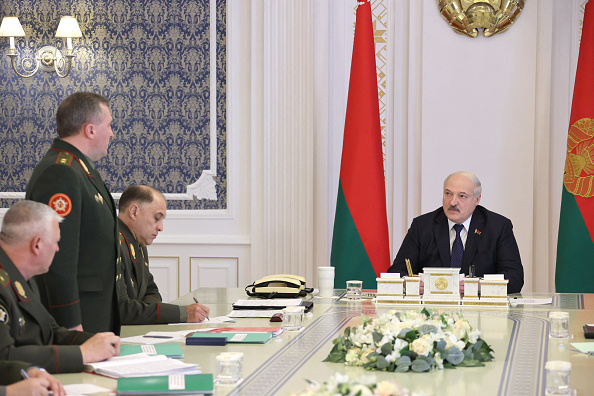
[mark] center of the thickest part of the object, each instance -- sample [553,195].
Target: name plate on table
[442,285]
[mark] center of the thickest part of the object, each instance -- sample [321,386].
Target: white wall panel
[166,273]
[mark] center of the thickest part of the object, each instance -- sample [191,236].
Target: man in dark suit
[462,234]
[142,212]
[79,290]
[28,242]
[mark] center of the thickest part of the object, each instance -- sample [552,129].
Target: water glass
[293,318]
[557,377]
[326,281]
[229,368]
[559,324]
[354,289]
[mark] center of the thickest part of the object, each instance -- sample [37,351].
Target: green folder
[242,338]
[170,350]
[159,385]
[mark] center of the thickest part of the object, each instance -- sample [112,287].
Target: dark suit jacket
[28,332]
[140,300]
[80,285]
[490,246]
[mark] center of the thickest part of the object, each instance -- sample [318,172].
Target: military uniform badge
[3,315]
[20,289]
[99,198]
[4,278]
[133,252]
[82,164]
[61,203]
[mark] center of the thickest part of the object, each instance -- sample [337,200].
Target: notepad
[173,351]
[242,338]
[166,385]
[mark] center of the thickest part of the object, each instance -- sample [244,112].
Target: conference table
[518,335]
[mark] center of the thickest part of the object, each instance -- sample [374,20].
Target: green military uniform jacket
[140,300]
[11,372]
[28,332]
[80,285]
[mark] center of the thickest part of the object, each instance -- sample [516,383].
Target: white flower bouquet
[340,384]
[410,340]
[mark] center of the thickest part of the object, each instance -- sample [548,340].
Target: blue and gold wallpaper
[151,59]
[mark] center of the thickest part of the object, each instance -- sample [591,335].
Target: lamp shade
[11,27]
[68,27]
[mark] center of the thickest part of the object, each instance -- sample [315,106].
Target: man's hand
[33,387]
[54,384]
[421,288]
[101,346]
[461,287]
[197,312]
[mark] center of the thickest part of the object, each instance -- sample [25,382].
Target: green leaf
[347,332]
[377,336]
[427,312]
[420,365]
[440,344]
[427,329]
[471,363]
[408,334]
[455,356]
[403,360]
[402,368]
[336,357]
[382,363]
[386,348]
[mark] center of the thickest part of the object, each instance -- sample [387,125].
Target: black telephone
[279,286]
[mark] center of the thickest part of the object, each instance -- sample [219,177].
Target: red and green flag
[575,246]
[360,243]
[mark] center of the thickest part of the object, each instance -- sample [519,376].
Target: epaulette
[121,238]
[4,278]
[64,158]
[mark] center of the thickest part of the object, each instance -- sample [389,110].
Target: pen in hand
[196,301]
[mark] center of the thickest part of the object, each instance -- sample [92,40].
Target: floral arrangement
[411,340]
[340,384]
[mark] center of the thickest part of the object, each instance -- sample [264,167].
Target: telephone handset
[279,286]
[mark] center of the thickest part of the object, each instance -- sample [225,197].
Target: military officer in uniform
[79,290]
[140,219]
[28,242]
[40,382]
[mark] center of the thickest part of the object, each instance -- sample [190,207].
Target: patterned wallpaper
[151,59]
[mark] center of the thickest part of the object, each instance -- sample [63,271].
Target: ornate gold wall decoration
[467,16]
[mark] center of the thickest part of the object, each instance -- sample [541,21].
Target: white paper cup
[326,281]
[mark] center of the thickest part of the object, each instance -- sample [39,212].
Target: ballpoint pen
[196,301]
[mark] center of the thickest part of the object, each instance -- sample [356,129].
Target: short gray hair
[26,220]
[478,189]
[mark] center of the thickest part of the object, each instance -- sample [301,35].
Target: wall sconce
[48,58]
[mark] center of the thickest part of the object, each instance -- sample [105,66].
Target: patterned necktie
[457,248]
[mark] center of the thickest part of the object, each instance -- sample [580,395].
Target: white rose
[421,346]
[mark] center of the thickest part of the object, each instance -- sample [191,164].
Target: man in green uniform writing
[142,211]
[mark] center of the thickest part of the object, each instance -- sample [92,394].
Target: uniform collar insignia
[20,289]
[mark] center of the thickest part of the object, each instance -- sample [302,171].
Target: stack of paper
[140,365]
